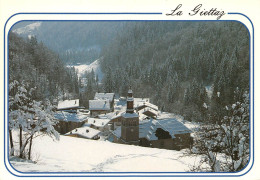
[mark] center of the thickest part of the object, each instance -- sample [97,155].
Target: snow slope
[83,68]
[72,154]
[28,29]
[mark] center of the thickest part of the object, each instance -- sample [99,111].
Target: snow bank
[72,154]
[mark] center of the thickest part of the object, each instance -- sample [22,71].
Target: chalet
[148,112]
[68,121]
[164,134]
[99,124]
[84,132]
[143,105]
[140,101]
[68,105]
[106,96]
[97,107]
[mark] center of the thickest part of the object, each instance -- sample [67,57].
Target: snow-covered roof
[117,132]
[148,111]
[129,115]
[99,105]
[130,99]
[146,104]
[148,130]
[66,116]
[68,104]
[174,126]
[84,131]
[98,122]
[140,101]
[143,117]
[104,96]
[111,115]
[106,116]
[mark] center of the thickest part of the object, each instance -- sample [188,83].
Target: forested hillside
[36,65]
[173,62]
[74,41]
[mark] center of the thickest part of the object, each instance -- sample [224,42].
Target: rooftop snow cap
[130,92]
[104,96]
[68,104]
[99,105]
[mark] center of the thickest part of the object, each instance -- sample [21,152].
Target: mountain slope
[75,41]
[82,69]
[172,63]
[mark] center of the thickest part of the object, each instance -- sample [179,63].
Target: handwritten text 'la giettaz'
[197,10]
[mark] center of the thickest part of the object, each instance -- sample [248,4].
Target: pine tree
[108,81]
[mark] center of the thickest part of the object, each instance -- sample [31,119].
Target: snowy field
[83,68]
[81,155]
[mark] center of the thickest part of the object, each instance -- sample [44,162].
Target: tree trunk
[21,142]
[11,143]
[30,147]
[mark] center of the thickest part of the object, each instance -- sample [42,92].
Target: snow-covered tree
[42,121]
[19,104]
[28,116]
[229,139]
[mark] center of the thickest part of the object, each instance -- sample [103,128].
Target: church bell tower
[130,122]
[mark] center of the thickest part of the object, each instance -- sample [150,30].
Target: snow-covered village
[138,97]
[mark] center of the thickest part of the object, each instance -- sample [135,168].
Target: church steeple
[130,122]
[130,101]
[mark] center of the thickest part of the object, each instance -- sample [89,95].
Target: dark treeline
[32,62]
[173,62]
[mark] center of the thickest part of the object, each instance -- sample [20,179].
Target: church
[129,123]
[167,133]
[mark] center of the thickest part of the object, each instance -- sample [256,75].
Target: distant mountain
[74,41]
